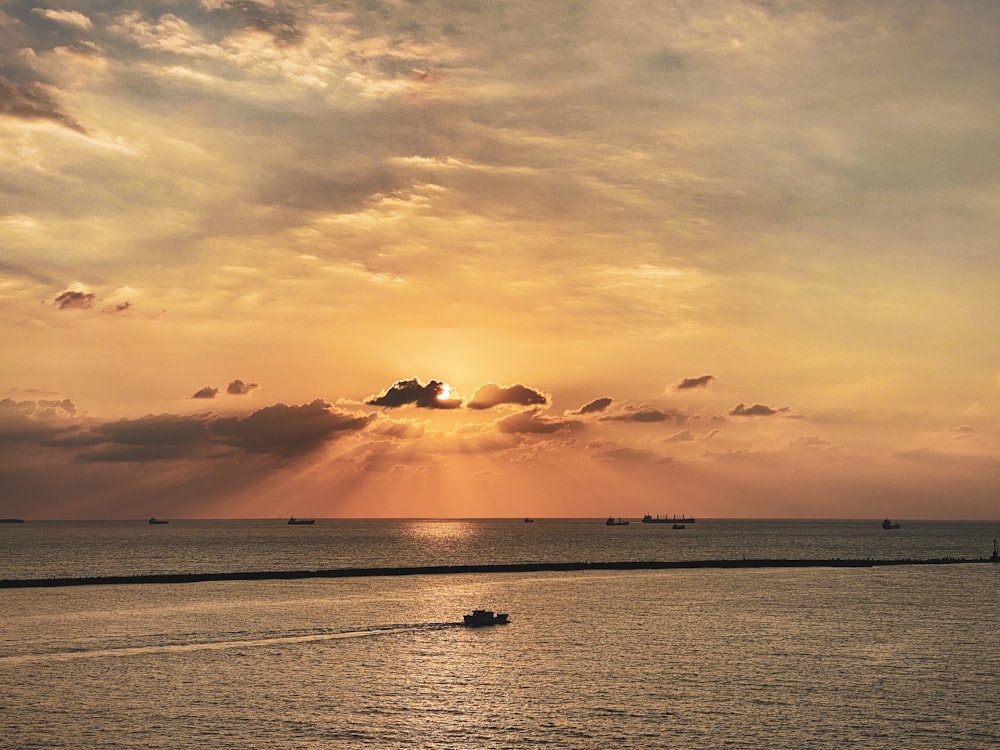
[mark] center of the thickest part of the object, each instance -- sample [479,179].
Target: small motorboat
[155,520]
[483,617]
[293,521]
[887,524]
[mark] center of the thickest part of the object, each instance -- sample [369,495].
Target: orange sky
[457,260]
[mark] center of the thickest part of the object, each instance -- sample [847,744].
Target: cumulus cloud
[240,388]
[533,422]
[33,103]
[279,429]
[490,394]
[757,410]
[75,300]
[235,388]
[701,381]
[159,429]
[49,407]
[594,407]
[45,419]
[434,395]
[155,437]
[285,429]
[639,413]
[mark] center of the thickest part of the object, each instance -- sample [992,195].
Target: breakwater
[264,575]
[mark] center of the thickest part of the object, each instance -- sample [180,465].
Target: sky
[447,259]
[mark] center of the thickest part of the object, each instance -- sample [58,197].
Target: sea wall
[263,575]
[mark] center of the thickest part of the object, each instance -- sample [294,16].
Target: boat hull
[665,519]
[481,618]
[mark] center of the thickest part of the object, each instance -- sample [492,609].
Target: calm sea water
[898,657]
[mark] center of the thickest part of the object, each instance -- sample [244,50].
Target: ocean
[901,656]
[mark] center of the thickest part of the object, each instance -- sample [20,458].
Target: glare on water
[778,658]
[783,658]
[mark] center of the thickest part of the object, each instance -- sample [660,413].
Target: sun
[444,392]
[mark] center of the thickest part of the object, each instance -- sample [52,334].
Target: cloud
[119,307]
[281,25]
[688,436]
[156,437]
[160,429]
[278,429]
[683,436]
[64,17]
[701,381]
[239,388]
[291,430]
[639,413]
[962,432]
[33,103]
[235,388]
[434,395]
[73,300]
[929,458]
[813,442]
[757,410]
[136,454]
[31,421]
[632,454]
[54,425]
[490,394]
[533,422]
[594,407]
[17,269]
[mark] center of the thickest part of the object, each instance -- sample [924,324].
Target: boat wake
[164,644]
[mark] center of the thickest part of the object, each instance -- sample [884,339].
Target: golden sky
[451,259]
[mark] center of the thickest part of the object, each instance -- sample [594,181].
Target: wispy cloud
[701,381]
[35,103]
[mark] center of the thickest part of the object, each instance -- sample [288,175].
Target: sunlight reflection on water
[782,658]
[697,659]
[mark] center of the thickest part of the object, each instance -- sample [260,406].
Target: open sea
[902,656]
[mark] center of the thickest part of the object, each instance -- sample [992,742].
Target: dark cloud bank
[279,429]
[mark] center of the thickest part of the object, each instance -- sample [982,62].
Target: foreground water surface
[895,657]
